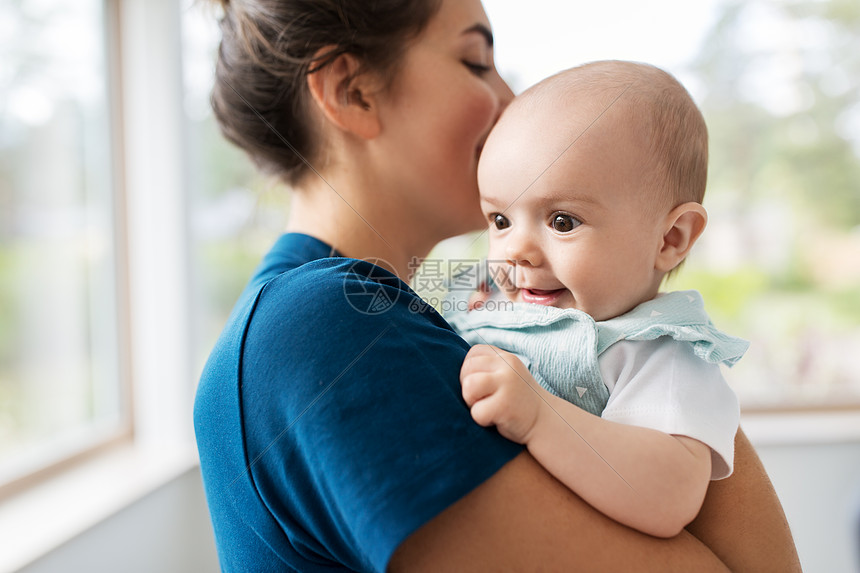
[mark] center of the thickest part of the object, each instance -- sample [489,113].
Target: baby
[592,183]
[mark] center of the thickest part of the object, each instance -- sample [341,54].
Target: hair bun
[267,48]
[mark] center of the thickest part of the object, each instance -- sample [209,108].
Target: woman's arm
[643,478]
[523,519]
[742,520]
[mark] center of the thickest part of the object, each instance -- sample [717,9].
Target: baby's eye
[500,221]
[564,223]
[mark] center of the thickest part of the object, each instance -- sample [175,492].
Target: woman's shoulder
[327,305]
[358,395]
[336,287]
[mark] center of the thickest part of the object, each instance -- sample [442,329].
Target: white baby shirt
[656,366]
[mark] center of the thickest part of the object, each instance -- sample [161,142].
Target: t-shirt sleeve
[355,427]
[661,384]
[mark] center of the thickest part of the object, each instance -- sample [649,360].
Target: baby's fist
[501,392]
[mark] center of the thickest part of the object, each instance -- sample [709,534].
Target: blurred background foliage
[779,264]
[57,322]
[779,84]
[777,80]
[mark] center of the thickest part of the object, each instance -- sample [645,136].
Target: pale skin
[583,237]
[521,518]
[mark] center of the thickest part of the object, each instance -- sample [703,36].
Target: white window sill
[52,512]
[802,428]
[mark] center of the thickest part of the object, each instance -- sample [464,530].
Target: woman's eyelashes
[478,58]
[564,222]
[477,68]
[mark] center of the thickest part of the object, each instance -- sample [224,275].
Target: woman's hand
[501,392]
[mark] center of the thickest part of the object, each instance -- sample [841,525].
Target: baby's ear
[682,228]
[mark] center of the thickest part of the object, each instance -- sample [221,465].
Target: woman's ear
[346,97]
[683,226]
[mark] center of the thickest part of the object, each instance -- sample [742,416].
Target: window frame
[155,443]
[151,277]
[97,438]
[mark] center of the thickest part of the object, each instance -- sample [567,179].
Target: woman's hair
[269,46]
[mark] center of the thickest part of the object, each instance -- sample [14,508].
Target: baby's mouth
[540,296]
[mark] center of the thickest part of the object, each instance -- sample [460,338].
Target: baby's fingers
[482,350]
[477,386]
[496,410]
[478,298]
[480,358]
[486,410]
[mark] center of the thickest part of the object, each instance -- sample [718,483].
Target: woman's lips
[538,296]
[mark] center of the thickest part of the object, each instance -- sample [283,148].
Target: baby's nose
[522,249]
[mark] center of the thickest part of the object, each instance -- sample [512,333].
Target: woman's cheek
[481,112]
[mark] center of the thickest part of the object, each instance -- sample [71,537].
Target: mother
[331,431]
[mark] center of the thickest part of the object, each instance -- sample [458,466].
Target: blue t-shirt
[329,417]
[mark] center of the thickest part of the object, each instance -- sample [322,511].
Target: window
[95,381]
[60,384]
[779,84]
[235,214]
[777,81]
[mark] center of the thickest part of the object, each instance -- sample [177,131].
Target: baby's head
[592,183]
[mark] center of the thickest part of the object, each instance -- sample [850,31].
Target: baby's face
[567,212]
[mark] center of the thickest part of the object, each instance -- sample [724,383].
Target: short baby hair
[660,112]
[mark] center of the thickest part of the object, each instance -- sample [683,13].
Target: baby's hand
[479,297]
[500,391]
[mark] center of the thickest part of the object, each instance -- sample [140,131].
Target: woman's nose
[503,93]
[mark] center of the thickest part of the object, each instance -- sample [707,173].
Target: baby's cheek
[494,250]
[501,273]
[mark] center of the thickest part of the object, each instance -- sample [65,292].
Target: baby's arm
[645,479]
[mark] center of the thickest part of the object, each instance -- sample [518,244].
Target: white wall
[167,531]
[819,486]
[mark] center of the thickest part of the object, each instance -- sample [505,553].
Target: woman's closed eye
[564,222]
[477,55]
[477,68]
